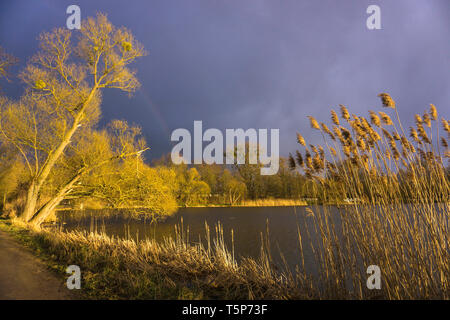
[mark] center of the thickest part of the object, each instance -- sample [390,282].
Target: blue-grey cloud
[260,64]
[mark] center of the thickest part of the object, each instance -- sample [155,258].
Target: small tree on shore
[64,81]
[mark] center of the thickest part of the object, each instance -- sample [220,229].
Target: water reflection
[281,225]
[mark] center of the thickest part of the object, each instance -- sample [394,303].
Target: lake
[280,225]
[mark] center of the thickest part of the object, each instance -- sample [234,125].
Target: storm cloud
[259,64]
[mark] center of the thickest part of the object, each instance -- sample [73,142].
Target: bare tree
[6,62]
[64,81]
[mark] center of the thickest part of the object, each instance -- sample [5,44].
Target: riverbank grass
[114,268]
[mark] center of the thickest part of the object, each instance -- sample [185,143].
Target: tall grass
[176,268]
[400,220]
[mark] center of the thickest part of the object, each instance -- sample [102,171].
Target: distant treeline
[163,186]
[235,184]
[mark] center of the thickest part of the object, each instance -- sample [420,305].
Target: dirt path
[24,276]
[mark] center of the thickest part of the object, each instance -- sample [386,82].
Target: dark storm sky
[259,63]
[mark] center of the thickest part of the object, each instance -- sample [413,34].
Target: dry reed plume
[399,216]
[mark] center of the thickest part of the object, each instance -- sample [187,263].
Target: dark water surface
[281,225]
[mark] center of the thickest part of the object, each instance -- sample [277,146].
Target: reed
[400,217]
[176,268]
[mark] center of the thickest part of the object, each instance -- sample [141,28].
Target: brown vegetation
[400,219]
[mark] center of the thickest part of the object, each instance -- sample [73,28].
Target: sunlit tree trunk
[49,207]
[37,218]
[31,202]
[36,184]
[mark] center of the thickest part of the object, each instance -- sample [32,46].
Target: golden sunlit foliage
[52,127]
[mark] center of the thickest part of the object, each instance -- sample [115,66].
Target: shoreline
[165,270]
[246,204]
[274,205]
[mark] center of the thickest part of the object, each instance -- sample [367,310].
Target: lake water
[280,225]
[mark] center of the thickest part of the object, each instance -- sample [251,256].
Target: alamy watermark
[374,280]
[74,20]
[74,280]
[249,146]
[373,22]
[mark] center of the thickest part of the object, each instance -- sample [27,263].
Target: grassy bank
[413,258]
[123,269]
